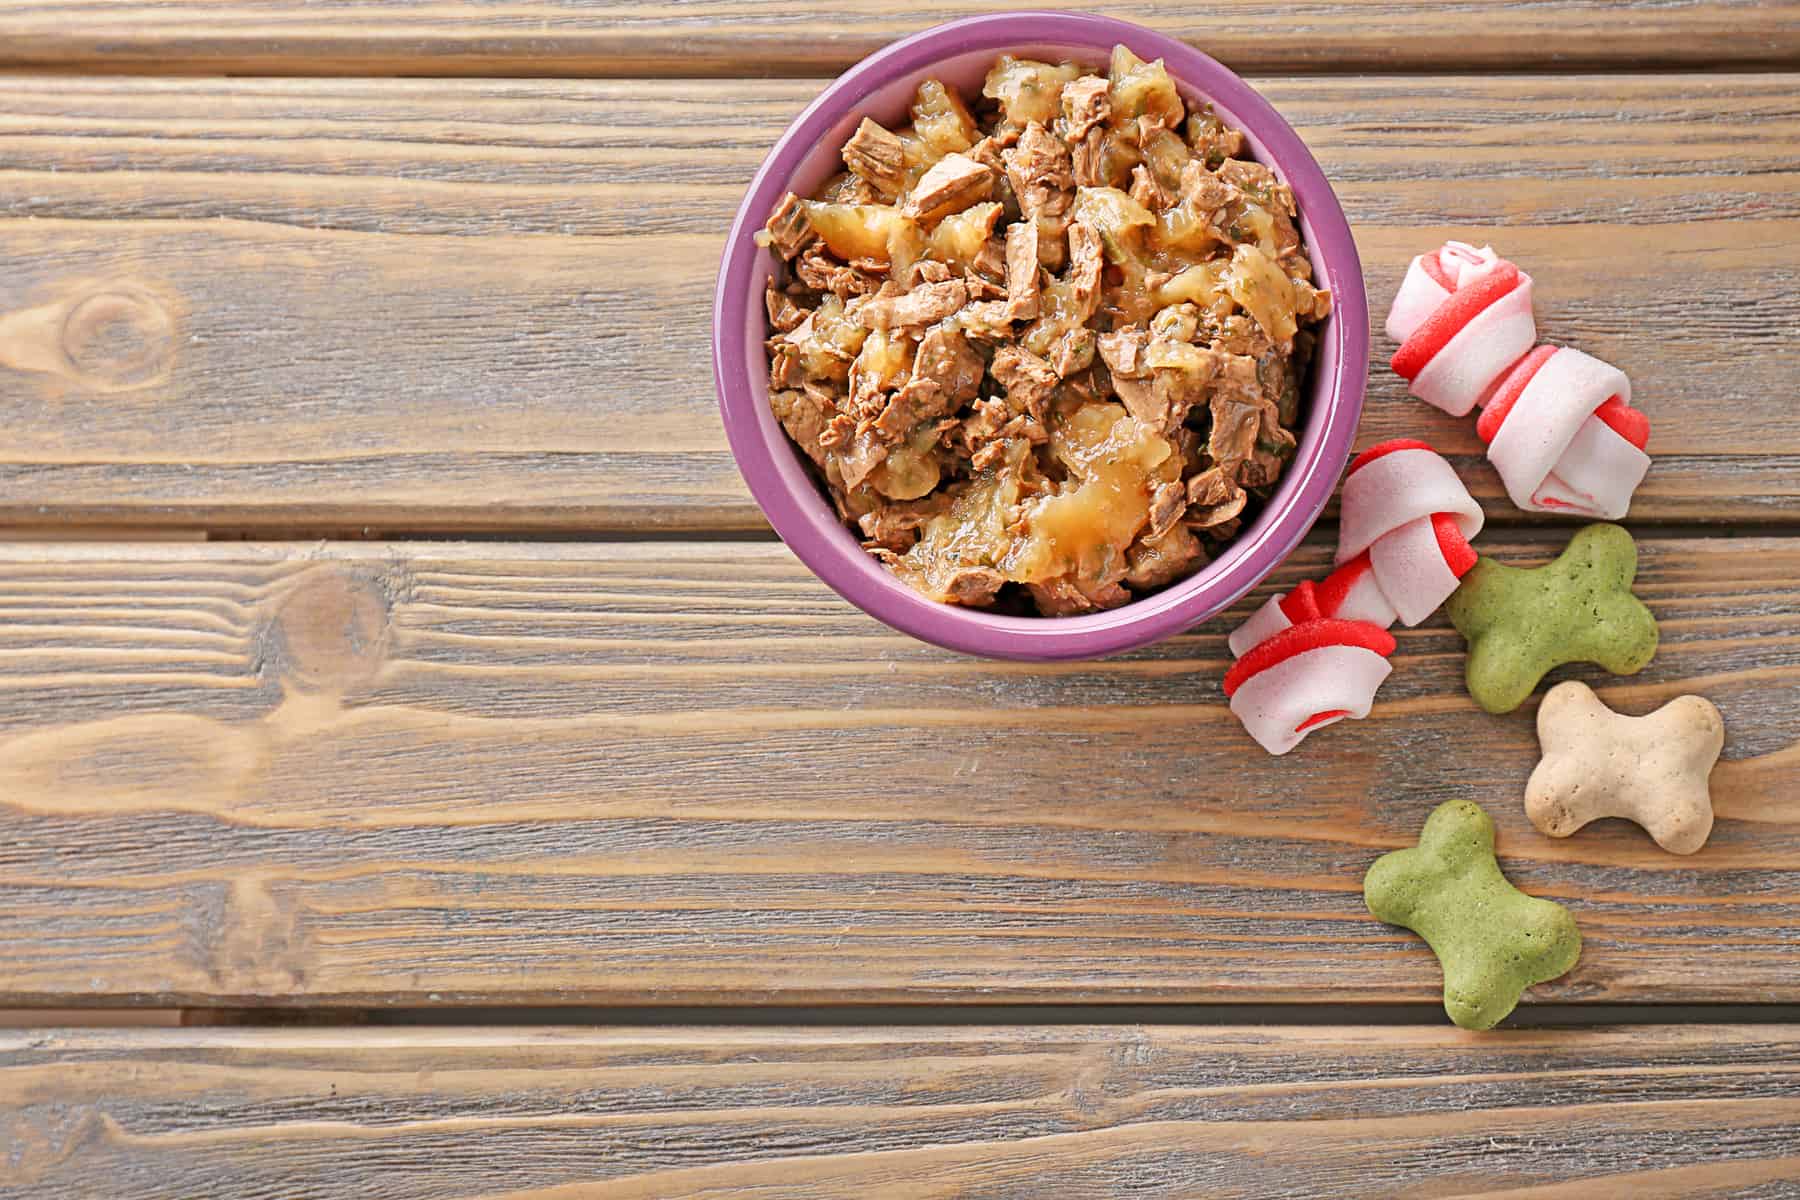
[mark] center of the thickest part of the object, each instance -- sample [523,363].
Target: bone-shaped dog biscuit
[1523,623]
[1599,763]
[1493,940]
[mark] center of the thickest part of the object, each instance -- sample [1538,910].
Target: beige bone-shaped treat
[1599,763]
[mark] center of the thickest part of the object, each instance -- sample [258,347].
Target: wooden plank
[816,37]
[440,305]
[366,774]
[1657,1112]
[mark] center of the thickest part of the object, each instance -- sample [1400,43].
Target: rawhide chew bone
[1313,674]
[1562,434]
[1403,544]
[1651,769]
[1522,623]
[1492,940]
[1452,352]
[1405,510]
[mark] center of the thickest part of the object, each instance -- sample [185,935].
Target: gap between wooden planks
[1649,1112]
[461,305]
[821,37]
[419,775]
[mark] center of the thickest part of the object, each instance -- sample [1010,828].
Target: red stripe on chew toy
[1384,449]
[1459,556]
[1434,268]
[1336,587]
[1435,332]
[1298,639]
[1629,423]
[1320,719]
[1301,605]
[1509,391]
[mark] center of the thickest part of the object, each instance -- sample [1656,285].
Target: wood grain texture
[366,774]
[821,37]
[419,305]
[1646,1112]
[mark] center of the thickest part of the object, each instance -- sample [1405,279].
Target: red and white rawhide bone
[1314,673]
[1403,545]
[1562,434]
[1462,317]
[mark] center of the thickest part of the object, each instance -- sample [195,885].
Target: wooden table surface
[403,704]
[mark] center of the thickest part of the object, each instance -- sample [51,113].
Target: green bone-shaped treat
[1521,623]
[1493,940]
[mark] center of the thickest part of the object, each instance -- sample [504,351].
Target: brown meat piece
[1167,504]
[1160,398]
[895,526]
[952,184]
[924,305]
[1158,559]
[784,314]
[877,157]
[1073,352]
[1087,267]
[1041,176]
[1147,192]
[986,320]
[1065,597]
[1142,400]
[1122,351]
[1022,271]
[804,417]
[981,288]
[984,422]
[927,270]
[1213,140]
[1234,428]
[1086,103]
[987,153]
[1202,191]
[946,374]
[991,262]
[821,271]
[1087,158]
[1251,178]
[865,452]
[1213,499]
[785,369]
[788,229]
[1029,380]
[974,586]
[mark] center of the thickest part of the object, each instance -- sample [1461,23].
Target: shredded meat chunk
[878,158]
[821,272]
[946,374]
[1029,380]
[1085,105]
[784,314]
[1046,346]
[923,305]
[788,229]
[952,184]
[1022,271]
[1043,180]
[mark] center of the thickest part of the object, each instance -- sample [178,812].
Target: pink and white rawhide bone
[1312,674]
[1462,316]
[1559,424]
[1403,545]
[1563,436]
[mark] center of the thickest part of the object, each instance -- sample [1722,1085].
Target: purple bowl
[881,86]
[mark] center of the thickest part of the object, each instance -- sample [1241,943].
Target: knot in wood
[331,631]
[119,339]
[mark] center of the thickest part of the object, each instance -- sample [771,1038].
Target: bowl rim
[1287,517]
